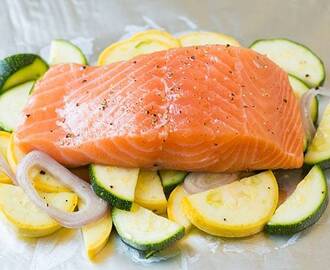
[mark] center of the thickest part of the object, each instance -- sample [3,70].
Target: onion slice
[305,104]
[199,182]
[287,182]
[94,207]
[307,121]
[6,169]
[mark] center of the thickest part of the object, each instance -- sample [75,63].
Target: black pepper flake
[227,45]
[285,100]
[42,172]
[193,57]
[170,74]
[306,75]
[232,98]
[232,94]
[155,115]
[83,67]
[134,62]
[155,165]
[51,131]
[180,112]
[322,192]
[83,81]
[104,104]
[111,186]
[66,200]
[224,219]
[47,204]
[77,104]
[316,88]
[28,115]
[69,135]
[148,112]
[268,187]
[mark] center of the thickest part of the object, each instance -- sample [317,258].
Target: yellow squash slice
[28,219]
[174,207]
[4,142]
[45,182]
[42,180]
[142,43]
[14,154]
[149,192]
[239,209]
[96,234]
[205,38]
[158,35]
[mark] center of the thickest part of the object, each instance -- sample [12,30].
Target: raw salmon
[208,108]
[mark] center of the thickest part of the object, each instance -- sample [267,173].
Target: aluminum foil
[30,25]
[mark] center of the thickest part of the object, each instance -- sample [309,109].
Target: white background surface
[28,26]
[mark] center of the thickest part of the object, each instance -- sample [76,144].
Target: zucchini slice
[20,68]
[12,103]
[174,207]
[170,179]
[115,185]
[238,209]
[63,51]
[205,38]
[141,43]
[294,58]
[319,149]
[303,207]
[142,229]
[299,88]
[149,192]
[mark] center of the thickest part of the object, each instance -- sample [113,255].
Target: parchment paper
[28,26]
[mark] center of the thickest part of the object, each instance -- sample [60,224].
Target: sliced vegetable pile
[152,210]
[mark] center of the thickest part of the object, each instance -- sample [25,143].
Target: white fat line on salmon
[141,71]
[70,106]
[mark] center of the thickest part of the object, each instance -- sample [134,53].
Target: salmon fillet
[208,108]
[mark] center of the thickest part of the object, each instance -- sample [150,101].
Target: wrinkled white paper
[29,26]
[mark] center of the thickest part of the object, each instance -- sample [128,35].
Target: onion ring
[94,208]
